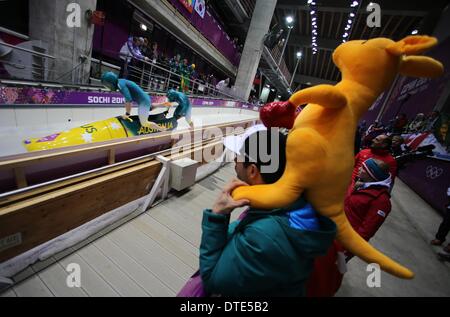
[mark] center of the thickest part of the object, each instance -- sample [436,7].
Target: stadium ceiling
[399,18]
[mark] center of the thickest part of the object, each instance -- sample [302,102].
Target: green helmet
[110,78]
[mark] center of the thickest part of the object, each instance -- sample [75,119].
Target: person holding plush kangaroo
[320,148]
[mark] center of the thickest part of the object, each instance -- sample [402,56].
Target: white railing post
[161,184]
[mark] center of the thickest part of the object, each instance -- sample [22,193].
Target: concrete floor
[405,236]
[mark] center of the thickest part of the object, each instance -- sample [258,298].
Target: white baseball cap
[235,143]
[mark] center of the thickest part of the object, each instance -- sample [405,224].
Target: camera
[410,156]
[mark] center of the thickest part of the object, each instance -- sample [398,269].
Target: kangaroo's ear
[421,66]
[412,45]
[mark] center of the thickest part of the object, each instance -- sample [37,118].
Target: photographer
[443,231]
[407,155]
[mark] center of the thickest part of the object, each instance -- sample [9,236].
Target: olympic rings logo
[434,172]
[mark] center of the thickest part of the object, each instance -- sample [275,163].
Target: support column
[48,23]
[259,27]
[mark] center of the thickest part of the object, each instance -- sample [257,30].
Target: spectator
[368,203]
[374,130]
[264,253]
[222,86]
[432,121]
[185,71]
[400,122]
[174,63]
[379,149]
[154,53]
[442,135]
[443,231]
[145,48]
[129,51]
[397,145]
[418,124]
[328,272]
[358,139]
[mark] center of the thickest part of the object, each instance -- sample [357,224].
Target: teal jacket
[265,254]
[184,108]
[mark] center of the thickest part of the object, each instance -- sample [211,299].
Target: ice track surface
[16,125]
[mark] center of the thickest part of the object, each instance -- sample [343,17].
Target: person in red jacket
[367,205]
[380,150]
[369,202]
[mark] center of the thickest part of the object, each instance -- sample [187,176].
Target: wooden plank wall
[44,217]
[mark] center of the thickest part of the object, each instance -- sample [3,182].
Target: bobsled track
[93,206]
[45,195]
[21,123]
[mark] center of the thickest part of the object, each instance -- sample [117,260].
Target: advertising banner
[38,96]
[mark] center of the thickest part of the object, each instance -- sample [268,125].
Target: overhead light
[352,15]
[299,54]
[415,32]
[350,21]
[143,27]
[289,19]
[272,90]
[314,26]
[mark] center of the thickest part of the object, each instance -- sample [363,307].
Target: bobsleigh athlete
[133,93]
[184,108]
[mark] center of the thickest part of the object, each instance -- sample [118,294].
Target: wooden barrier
[34,220]
[34,168]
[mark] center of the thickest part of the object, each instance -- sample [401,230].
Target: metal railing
[158,77]
[276,54]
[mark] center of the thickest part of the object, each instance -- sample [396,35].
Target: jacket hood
[308,233]
[311,243]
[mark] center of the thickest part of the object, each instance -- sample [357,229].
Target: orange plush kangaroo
[320,146]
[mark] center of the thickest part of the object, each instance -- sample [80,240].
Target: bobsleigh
[100,131]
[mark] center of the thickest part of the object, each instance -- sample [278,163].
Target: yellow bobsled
[105,130]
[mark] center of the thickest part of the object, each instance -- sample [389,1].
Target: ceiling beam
[237,9]
[409,13]
[305,41]
[310,80]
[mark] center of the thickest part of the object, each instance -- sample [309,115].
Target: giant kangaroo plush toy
[320,145]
